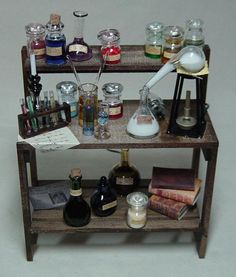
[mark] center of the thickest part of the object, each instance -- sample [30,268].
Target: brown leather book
[173,178]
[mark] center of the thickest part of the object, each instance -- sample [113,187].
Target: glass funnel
[78,50]
[143,124]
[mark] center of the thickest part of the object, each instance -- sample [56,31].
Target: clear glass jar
[154,40]
[173,37]
[67,92]
[194,33]
[110,39]
[112,93]
[35,33]
[137,211]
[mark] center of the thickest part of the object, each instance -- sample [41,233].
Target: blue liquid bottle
[55,41]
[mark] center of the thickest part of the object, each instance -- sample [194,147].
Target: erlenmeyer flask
[143,124]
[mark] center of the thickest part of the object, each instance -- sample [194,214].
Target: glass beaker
[78,50]
[137,211]
[102,129]
[87,88]
[143,124]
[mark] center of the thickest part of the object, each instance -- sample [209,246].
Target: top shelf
[132,60]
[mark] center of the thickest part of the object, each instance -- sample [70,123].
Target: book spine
[163,209]
[172,195]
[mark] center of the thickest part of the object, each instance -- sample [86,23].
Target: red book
[168,207]
[186,196]
[173,178]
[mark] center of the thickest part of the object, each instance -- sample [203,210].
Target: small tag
[144,119]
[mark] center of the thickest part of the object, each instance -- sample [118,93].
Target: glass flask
[103,202]
[194,33]
[137,211]
[76,212]
[35,33]
[55,41]
[143,124]
[154,40]
[173,37]
[67,92]
[102,129]
[112,93]
[78,50]
[110,50]
[124,176]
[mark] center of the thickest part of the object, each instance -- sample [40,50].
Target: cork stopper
[75,172]
[55,19]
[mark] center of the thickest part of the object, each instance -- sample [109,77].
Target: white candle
[33,64]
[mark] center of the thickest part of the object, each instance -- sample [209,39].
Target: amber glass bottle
[124,177]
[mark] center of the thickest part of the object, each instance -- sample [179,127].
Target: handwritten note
[59,139]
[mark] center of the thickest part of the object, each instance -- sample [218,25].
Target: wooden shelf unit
[51,221]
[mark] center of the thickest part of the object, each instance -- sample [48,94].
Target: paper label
[54,51]
[144,119]
[39,52]
[168,55]
[109,205]
[153,50]
[115,111]
[112,58]
[75,192]
[124,181]
[78,48]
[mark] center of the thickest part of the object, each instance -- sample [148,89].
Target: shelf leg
[202,234]
[23,155]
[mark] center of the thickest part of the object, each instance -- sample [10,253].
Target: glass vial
[143,124]
[83,89]
[110,50]
[124,177]
[173,37]
[154,40]
[67,92]
[35,33]
[103,202]
[55,41]
[112,93]
[194,33]
[102,129]
[137,211]
[88,114]
[78,50]
[76,212]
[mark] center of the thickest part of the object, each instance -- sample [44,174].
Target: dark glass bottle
[103,201]
[76,212]
[124,177]
[55,41]
[78,50]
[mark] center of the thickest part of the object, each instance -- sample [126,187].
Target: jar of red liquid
[110,39]
[173,37]
[35,33]
[112,93]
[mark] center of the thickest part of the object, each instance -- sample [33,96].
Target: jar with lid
[110,50]
[154,40]
[67,92]
[137,211]
[173,37]
[112,93]
[35,33]
[194,33]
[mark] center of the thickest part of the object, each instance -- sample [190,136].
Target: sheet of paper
[59,139]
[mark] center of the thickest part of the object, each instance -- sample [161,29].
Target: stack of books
[173,191]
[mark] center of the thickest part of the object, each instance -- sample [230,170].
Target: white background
[118,254]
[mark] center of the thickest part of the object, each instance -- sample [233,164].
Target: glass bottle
[143,123]
[124,177]
[137,211]
[173,37]
[194,33]
[67,92]
[76,212]
[103,202]
[102,129]
[35,33]
[112,93]
[78,50]
[154,40]
[55,41]
[110,50]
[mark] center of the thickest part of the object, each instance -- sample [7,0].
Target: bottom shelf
[46,221]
